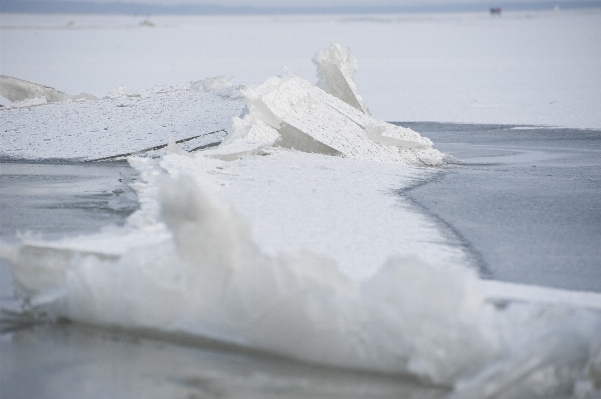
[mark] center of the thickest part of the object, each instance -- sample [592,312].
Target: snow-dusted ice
[196,115]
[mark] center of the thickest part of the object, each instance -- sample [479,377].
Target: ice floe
[122,124]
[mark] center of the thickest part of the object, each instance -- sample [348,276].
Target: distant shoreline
[133,8]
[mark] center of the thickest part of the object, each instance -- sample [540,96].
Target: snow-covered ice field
[274,220]
[537,68]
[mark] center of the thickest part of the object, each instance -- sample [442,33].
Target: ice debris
[118,92]
[189,264]
[303,117]
[285,111]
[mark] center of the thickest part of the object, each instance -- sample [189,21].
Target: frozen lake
[537,68]
[315,231]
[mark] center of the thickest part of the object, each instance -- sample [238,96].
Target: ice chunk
[246,136]
[220,85]
[335,72]
[211,84]
[118,92]
[25,92]
[173,148]
[396,136]
[19,90]
[311,120]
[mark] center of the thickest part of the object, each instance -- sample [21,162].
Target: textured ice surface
[120,123]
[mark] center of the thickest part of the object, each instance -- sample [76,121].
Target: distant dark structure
[495,11]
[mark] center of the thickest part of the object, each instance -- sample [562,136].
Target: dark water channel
[526,200]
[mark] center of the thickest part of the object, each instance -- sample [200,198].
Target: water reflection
[69,361]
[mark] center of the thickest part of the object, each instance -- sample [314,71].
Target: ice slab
[119,125]
[335,72]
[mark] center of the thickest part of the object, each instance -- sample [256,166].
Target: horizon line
[135,8]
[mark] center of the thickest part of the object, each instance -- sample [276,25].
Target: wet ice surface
[526,201]
[63,198]
[75,362]
[56,199]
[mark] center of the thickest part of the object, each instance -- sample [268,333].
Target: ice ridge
[288,111]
